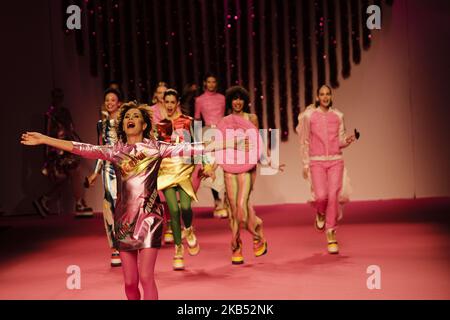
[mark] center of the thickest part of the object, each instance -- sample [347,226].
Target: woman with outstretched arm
[138,220]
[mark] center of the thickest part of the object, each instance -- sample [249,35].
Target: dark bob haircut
[234,93]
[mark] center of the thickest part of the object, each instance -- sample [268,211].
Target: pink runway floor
[408,239]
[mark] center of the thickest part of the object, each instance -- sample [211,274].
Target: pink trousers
[326,178]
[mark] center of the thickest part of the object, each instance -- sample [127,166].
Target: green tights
[174,209]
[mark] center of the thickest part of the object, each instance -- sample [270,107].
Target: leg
[131,274]
[55,189]
[335,173]
[108,221]
[231,184]
[147,260]
[186,212]
[319,182]
[172,202]
[42,203]
[81,209]
[252,222]
[256,221]
[109,203]
[232,193]
[77,183]
[320,186]
[171,198]
[166,211]
[221,208]
[249,218]
[215,195]
[186,209]
[168,235]
[244,187]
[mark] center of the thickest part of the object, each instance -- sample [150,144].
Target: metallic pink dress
[138,218]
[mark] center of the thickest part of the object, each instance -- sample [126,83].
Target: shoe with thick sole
[192,242]
[319,222]
[115,259]
[259,247]
[168,237]
[178,260]
[332,246]
[237,257]
[220,213]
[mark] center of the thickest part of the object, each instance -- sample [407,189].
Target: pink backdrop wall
[397,98]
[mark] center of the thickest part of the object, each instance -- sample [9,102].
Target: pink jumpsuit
[322,138]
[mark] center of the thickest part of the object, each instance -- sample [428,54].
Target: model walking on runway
[211,107]
[240,178]
[138,220]
[174,178]
[107,135]
[322,137]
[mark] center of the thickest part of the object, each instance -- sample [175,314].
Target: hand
[350,140]
[91,180]
[209,174]
[32,138]
[279,168]
[207,171]
[305,173]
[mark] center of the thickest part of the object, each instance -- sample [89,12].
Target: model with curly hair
[138,220]
[239,179]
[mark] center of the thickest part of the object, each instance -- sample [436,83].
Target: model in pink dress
[322,136]
[138,220]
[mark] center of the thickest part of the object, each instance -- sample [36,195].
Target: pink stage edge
[408,239]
